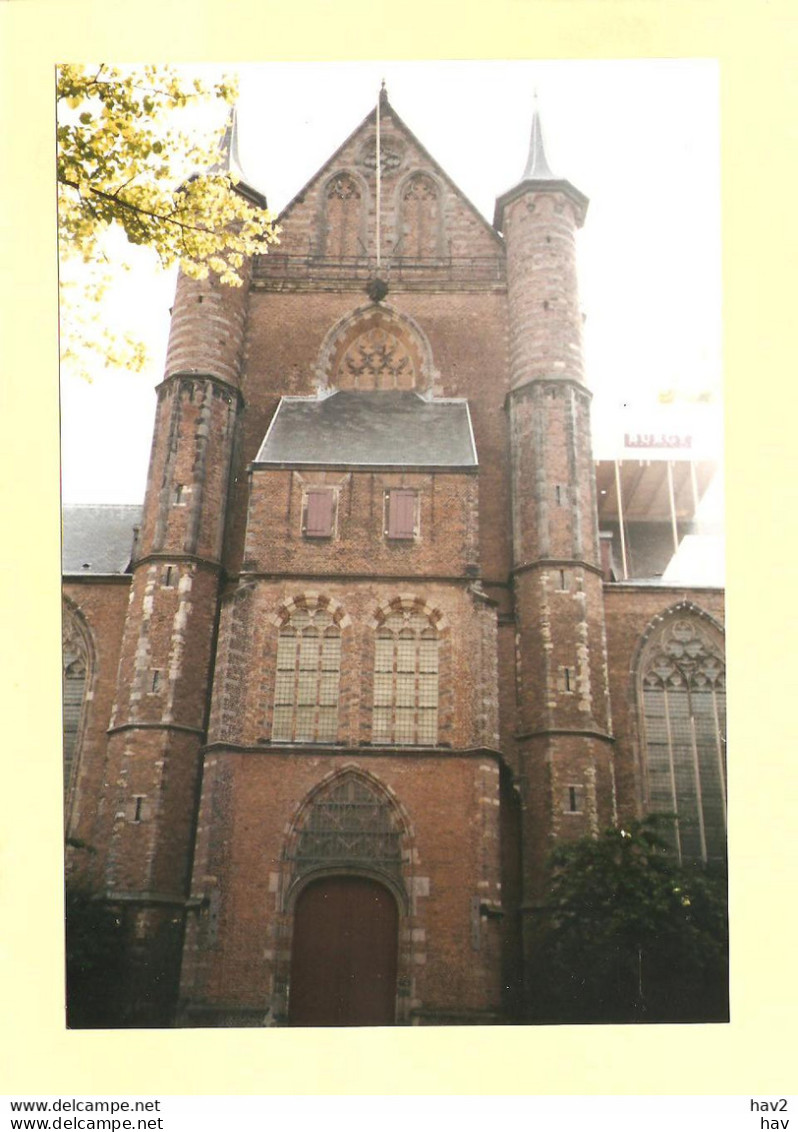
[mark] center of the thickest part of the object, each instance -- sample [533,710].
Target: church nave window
[683,700]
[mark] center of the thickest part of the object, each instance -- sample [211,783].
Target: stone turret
[567,784]
[159,721]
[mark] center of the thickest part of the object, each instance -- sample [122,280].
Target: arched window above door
[349,824]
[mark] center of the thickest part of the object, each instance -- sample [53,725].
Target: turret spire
[229,161]
[537,167]
[538,177]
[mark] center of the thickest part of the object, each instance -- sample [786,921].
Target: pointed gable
[423,215]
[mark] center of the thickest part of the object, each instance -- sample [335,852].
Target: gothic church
[370,655]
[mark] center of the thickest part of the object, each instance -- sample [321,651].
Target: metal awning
[645,495]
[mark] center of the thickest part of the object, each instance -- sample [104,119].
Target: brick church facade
[370,657]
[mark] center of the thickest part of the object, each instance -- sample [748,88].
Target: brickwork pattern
[546,329]
[445,544]
[207,328]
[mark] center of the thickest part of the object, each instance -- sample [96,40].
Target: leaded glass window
[349,824]
[406,681]
[683,692]
[307,680]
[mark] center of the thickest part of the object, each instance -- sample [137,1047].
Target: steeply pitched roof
[387,111]
[98,538]
[369,429]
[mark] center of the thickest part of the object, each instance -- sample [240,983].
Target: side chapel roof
[98,538]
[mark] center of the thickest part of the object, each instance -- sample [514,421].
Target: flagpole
[377,226]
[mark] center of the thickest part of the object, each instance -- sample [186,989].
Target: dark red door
[343,962]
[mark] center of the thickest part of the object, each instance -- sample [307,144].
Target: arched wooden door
[343,961]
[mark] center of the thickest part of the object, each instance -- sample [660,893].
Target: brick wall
[444,546]
[238,951]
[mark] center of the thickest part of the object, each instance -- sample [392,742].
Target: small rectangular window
[137,809]
[401,516]
[178,493]
[574,800]
[156,681]
[319,512]
[169,576]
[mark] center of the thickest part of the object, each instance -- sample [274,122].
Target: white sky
[640,138]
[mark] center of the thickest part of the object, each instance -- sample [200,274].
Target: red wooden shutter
[319,513]
[401,513]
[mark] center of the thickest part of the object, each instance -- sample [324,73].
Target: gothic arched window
[682,687]
[421,218]
[406,680]
[349,824]
[76,665]
[343,217]
[308,677]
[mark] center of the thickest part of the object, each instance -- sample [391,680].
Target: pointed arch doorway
[344,954]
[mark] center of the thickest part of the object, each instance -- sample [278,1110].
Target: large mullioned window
[308,678]
[406,681]
[75,673]
[683,692]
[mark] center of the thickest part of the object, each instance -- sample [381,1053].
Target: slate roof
[370,429]
[98,538]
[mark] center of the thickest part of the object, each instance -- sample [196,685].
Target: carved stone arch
[343,215]
[311,600]
[377,843]
[376,347]
[679,686]
[79,669]
[410,603]
[420,210]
